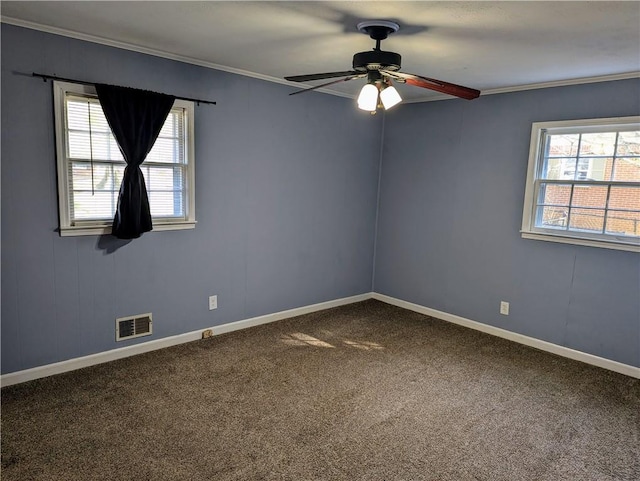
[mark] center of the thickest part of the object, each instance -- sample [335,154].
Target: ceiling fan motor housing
[376,60]
[379,67]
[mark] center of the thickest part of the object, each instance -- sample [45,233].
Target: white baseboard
[615,366]
[120,353]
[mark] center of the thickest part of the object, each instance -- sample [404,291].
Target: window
[583,183]
[90,165]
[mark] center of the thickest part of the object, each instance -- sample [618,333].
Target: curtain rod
[82,82]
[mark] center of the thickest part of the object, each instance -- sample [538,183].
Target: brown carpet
[361,392]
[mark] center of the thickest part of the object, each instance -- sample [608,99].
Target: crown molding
[151,51]
[194,61]
[539,85]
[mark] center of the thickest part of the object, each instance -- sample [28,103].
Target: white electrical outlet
[504,308]
[213,302]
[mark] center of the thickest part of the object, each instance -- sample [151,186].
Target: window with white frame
[91,166]
[583,183]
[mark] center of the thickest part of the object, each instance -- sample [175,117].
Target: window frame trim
[83,228]
[536,147]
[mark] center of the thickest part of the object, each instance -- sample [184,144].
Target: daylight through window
[583,184]
[90,165]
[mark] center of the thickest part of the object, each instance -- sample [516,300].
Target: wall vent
[133,326]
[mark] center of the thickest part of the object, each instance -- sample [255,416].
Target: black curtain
[136,118]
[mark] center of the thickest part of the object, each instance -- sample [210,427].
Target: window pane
[552,217]
[81,176]
[165,150]
[624,198]
[166,204]
[103,146]
[594,169]
[88,206]
[627,169]
[601,143]
[629,143]
[118,172]
[79,145]
[169,127]
[623,223]
[589,196]
[587,180]
[165,187]
[164,178]
[169,146]
[586,220]
[563,145]
[173,126]
[560,169]
[103,176]
[78,115]
[96,166]
[555,194]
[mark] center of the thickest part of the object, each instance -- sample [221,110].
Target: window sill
[104,230]
[565,239]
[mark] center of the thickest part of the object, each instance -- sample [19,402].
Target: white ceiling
[491,46]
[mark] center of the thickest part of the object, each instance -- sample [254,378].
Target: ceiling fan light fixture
[389,97]
[380,67]
[368,98]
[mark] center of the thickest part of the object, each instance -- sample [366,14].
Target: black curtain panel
[136,118]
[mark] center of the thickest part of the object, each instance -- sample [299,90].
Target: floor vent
[134,326]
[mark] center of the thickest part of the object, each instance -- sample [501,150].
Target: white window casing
[583,183]
[90,165]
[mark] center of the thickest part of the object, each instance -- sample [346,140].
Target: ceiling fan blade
[319,76]
[437,85]
[346,79]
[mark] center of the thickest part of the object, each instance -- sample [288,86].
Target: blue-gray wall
[450,210]
[285,202]
[286,205]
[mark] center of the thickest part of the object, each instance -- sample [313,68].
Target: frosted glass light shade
[390,97]
[368,98]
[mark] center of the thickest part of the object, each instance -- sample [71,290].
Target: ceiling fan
[381,68]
